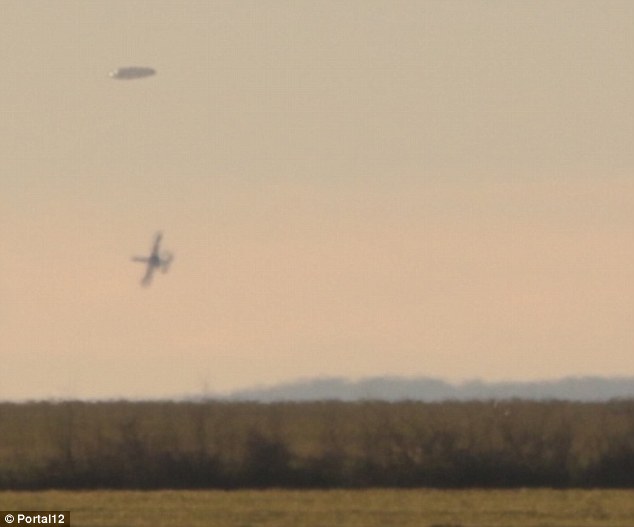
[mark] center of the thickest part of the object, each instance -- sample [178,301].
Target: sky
[360,188]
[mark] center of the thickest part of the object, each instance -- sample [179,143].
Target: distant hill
[430,389]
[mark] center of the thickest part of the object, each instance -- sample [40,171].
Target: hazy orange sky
[351,188]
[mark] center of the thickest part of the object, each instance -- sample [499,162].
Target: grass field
[337,508]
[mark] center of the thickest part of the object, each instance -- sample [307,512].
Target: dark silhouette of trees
[316,445]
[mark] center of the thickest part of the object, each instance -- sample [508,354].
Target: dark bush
[316,445]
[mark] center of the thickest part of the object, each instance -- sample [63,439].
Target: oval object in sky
[132,72]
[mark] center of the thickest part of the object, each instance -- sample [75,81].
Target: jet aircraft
[156,260]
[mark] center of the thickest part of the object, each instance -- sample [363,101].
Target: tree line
[329,444]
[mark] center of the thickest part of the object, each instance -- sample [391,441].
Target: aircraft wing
[147,279]
[157,242]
